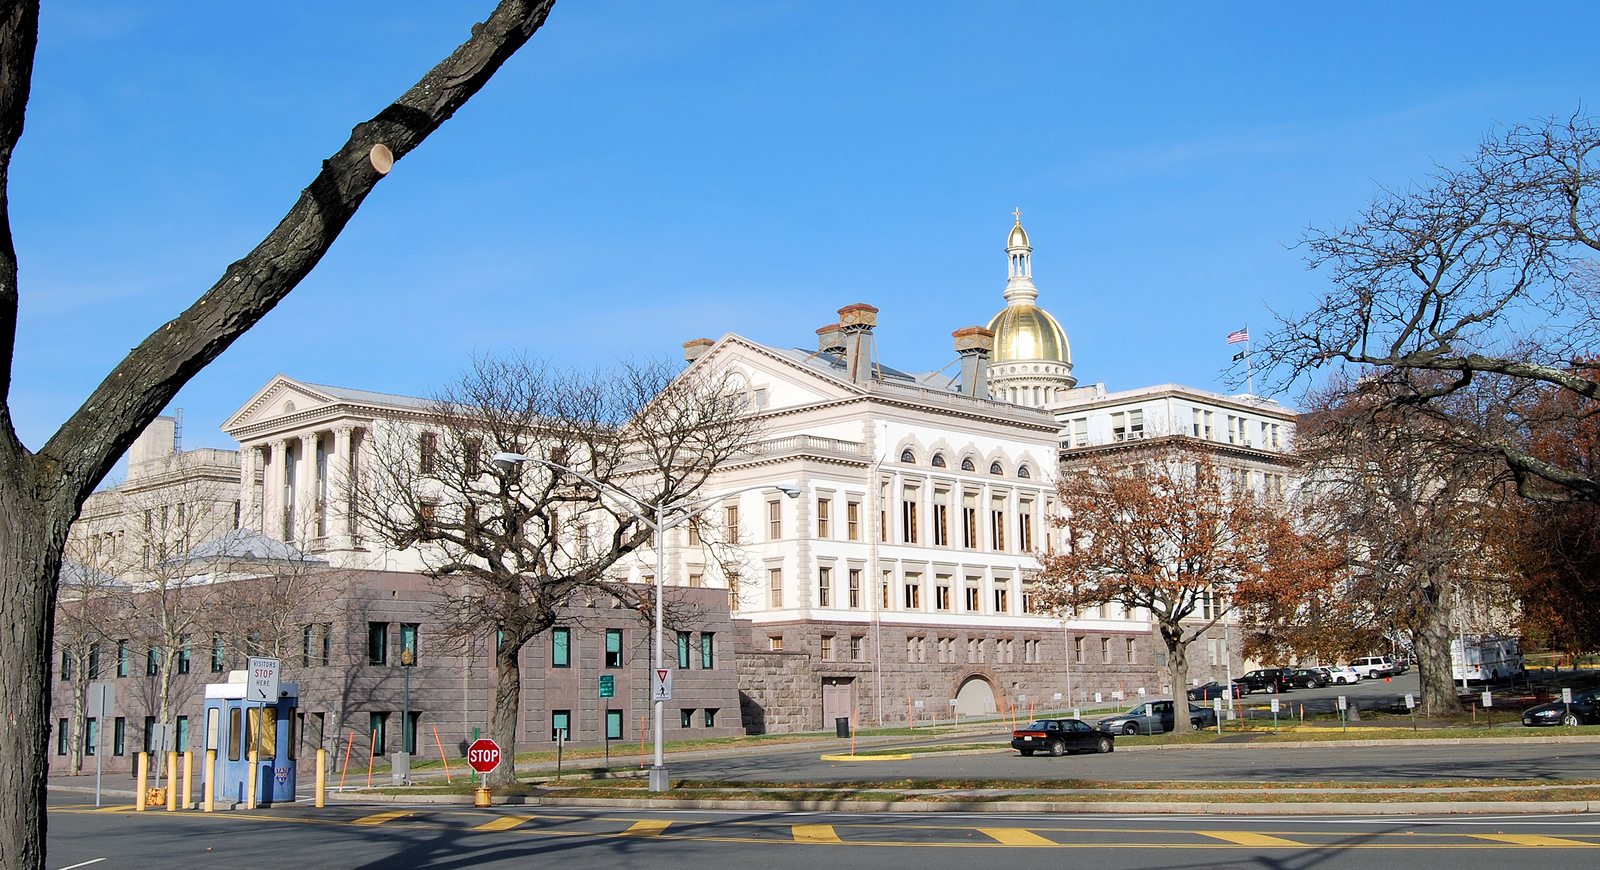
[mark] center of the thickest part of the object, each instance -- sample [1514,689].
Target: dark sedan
[1584,710]
[1307,678]
[1214,689]
[1059,737]
[1265,680]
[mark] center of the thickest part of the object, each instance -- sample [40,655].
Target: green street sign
[608,686]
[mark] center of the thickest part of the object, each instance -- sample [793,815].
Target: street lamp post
[661,517]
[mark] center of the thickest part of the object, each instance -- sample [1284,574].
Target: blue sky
[642,174]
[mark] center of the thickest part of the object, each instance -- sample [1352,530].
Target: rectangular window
[180,738]
[377,643]
[852,520]
[560,725]
[683,650]
[731,523]
[1002,599]
[61,737]
[824,518]
[824,587]
[855,647]
[122,658]
[219,656]
[827,647]
[774,521]
[94,660]
[711,718]
[908,515]
[408,643]
[378,728]
[428,452]
[1025,526]
[1127,425]
[613,724]
[941,593]
[696,580]
[997,523]
[183,655]
[914,592]
[119,735]
[613,647]
[883,513]
[1030,603]
[308,637]
[775,587]
[972,596]
[1130,651]
[969,521]
[66,666]
[1077,650]
[707,650]
[327,644]
[854,576]
[1078,432]
[884,587]
[941,518]
[686,718]
[694,532]
[152,662]
[235,732]
[561,647]
[1105,649]
[149,734]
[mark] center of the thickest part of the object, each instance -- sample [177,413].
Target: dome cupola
[1032,361]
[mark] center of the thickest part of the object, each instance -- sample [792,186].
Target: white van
[1373,667]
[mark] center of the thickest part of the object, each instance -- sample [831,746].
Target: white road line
[84,864]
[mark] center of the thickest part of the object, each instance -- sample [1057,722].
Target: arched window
[938,460]
[1022,472]
[966,465]
[907,456]
[994,468]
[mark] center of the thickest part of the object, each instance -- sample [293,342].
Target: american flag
[1239,336]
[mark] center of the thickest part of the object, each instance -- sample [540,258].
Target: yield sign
[661,684]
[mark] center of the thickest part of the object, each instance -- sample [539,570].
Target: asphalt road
[371,837]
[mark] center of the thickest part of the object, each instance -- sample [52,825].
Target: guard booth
[234,724]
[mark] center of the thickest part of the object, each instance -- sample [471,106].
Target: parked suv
[1265,680]
[1373,667]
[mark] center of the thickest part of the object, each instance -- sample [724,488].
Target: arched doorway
[975,697]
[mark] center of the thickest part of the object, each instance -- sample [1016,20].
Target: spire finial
[1017,212]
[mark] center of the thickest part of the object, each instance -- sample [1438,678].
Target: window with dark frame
[613,647]
[377,643]
[561,647]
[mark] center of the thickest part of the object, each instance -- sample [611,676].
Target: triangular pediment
[281,397]
[789,379]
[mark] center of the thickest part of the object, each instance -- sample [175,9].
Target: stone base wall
[778,692]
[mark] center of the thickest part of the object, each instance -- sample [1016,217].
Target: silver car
[1154,717]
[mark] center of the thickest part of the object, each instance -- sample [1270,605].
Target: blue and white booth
[234,724]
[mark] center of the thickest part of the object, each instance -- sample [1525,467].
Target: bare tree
[512,544]
[85,613]
[1414,521]
[1164,528]
[41,492]
[271,595]
[1484,274]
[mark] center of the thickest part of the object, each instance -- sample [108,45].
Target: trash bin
[841,726]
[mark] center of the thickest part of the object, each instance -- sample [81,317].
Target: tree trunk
[34,532]
[1432,642]
[507,704]
[75,756]
[1178,676]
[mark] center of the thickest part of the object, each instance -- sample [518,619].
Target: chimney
[973,345]
[856,322]
[830,339]
[694,347]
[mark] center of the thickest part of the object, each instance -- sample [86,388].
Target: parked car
[1307,678]
[1265,680]
[1154,717]
[1061,736]
[1584,710]
[1339,675]
[1213,689]
[1373,667]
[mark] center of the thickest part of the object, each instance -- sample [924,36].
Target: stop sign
[483,755]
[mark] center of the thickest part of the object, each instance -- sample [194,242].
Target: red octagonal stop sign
[483,755]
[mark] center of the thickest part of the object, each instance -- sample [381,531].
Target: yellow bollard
[172,781]
[250,784]
[210,777]
[187,803]
[144,776]
[322,778]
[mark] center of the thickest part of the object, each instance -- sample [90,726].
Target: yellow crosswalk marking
[123,808]
[380,818]
[815,834]
[1530,840]
[1017,837]
[1245,838]
[646,828]
[504,823]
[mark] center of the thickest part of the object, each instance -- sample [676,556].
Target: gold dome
[1028,332]
[1019,237]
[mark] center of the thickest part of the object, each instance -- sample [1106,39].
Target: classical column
[305,486]
[340,484]
[277,491]
[248,456]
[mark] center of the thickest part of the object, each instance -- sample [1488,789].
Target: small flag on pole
[1239,335]
[1239,356]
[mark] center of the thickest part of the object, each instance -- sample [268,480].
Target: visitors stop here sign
[483,755]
